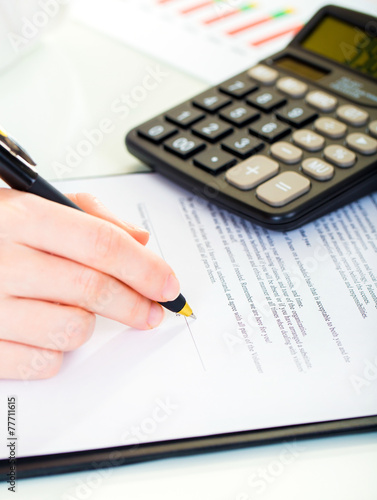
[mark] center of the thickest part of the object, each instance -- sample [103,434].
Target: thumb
[93,206]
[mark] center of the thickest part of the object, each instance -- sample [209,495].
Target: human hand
[58,268]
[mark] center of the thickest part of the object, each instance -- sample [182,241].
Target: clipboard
[62,463]
[129,362]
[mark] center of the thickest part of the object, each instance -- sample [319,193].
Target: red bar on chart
[261,41]
[195,7]
[259,21]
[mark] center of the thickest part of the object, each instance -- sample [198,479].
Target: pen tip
[192,315]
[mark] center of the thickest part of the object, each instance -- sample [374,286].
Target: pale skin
[59,267]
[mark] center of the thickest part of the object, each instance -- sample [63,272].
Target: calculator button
[283,189]
[330,127]
[362,143]
[321,100]
[184,146]
[211,129]
[157,131]
[373,128]
[340,156]
[296,115]
[251,172]
[269,130]
[352,115]
[266,100]
[308,140]
[238,88]
[318,169]
[286,152]
[214,160]
[292,86]
[239,114]
[263,74]
[242,145]
[184,116]
[212,102]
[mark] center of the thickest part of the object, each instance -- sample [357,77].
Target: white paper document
[286,331]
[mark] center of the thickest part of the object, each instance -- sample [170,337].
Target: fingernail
[171,288]
[156,314]
[133,227]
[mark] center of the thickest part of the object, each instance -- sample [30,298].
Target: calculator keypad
[267,134]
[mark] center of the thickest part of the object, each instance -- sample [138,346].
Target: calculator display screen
[300,68]
[342,42]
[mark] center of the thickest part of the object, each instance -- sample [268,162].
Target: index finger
[86,239]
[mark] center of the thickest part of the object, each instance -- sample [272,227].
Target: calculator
[287,140]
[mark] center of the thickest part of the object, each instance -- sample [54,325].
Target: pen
[17,169]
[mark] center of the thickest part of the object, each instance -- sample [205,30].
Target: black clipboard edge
[61,463]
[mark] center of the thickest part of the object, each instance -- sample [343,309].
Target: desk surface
[51,100]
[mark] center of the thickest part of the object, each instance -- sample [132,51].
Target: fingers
[88,240]
[93,206]
[43,324]
[19,361]
[29,273]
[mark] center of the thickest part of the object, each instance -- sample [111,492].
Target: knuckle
[107,242]
[90,283]
[79,330]
[137,311]
[12,208]
[54,360]
[7,256]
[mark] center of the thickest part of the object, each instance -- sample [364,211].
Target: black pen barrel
[42,188]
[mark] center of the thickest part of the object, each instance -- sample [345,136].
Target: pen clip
[12,146]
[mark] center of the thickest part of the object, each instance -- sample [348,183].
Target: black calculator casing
[347,185]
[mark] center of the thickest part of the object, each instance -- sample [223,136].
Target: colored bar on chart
[261,41]
[196,7]
[259,21]
[230,13]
